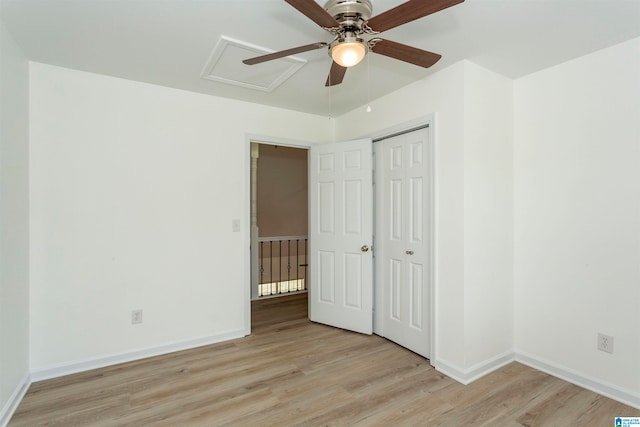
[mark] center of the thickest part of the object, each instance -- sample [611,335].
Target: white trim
[469,375]
[68,368]
[428,119]
[378,319]
[433,232]
[245,218]
[14,400]
[627,397]
[271,140]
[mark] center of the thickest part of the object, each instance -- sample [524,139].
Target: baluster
[306,263]
[261,254]
[270,267]
[289,265]
[280,268]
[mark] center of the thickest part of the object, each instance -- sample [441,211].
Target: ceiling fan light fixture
[345,20]
[348,52]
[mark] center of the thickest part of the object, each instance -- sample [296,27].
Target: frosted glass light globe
[348,54]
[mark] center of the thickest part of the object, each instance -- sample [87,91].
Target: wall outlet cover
[136,317]
[605,343]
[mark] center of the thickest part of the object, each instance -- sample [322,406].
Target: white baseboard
[60,370]
[609,390]
[466,376]
[14,400]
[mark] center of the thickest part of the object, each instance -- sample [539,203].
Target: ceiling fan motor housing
[351,14]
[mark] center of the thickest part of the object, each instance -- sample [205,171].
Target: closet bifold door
[405,241]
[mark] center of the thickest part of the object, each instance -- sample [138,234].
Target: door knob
[364,248]
[408,252]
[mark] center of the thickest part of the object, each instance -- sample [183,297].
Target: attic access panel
[225,66]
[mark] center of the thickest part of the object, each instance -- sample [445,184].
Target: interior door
[403,240]
[340,235]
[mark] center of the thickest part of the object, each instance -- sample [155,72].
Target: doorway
[279,220]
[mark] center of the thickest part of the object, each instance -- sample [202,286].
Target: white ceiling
[168,42]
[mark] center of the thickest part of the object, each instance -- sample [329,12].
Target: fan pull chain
[368,109]
[330,101]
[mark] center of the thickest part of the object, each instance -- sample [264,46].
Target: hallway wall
[282,191]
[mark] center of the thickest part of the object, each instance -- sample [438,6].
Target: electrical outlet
[136,317]
[605,343]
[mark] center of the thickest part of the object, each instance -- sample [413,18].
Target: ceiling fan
[348,20]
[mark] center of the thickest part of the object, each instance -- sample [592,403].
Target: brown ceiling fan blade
[283,53]
[405,53]
[407,12]
[315,12]
[336,74]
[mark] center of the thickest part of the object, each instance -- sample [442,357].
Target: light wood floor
[293,372]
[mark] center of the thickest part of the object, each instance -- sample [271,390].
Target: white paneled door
[403,240]
[340,235]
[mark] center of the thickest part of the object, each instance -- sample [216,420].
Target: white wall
[577,217]
[474,215]
[14,224]
[133,192]
[488,217]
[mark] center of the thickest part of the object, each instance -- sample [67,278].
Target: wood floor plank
[291,371]
[295,409]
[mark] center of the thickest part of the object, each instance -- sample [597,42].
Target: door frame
[246,211]
[429,121]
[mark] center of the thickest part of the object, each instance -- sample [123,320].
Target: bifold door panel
[403,239]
